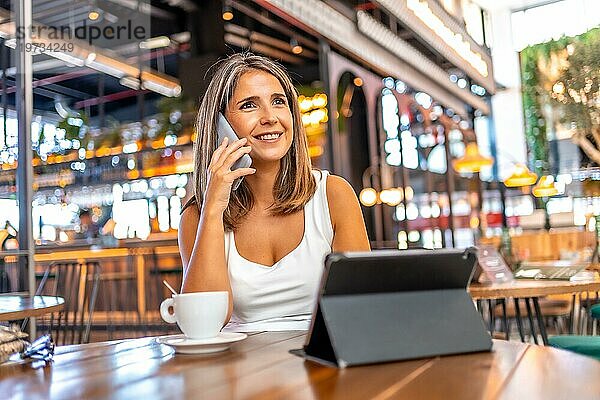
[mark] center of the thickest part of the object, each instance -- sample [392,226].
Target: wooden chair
[157,292]
[77,283]
[590,305]
[557,310]
[118,308]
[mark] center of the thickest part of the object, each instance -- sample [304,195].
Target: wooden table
[13,307]
[260,367]
[530,290]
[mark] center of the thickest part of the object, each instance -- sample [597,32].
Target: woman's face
[259,111]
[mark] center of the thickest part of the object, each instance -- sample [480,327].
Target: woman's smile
[269,137]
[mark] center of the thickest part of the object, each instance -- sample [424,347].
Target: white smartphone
[224,130]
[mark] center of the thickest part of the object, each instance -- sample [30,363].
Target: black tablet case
[395,305]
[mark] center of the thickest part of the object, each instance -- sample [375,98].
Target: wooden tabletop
[13,307]
[260,367]
[530,288]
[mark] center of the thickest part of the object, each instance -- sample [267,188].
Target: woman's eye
[246,105]
[279,101]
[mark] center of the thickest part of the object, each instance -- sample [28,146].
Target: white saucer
[183,345]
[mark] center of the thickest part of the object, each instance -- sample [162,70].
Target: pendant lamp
[521,176]
[472,161]
[545,187]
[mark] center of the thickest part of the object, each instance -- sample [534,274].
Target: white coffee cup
[200,315]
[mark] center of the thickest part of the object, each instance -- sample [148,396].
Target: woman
[265,242]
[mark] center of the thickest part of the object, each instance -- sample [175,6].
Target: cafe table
[261,367]
[529,291]
[21,306]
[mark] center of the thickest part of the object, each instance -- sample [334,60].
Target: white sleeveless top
[282,296]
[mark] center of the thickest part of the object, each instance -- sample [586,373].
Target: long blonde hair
[294,184]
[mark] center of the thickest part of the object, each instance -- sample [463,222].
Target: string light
[456,41]
[368,197]
[313,109]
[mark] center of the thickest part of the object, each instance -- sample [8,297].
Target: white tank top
[282,296]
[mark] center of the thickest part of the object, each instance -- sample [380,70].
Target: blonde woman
[265,242]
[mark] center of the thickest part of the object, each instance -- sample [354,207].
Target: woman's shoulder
[341,198]
[338,186]
[190,203]
[190,215]
[335,185]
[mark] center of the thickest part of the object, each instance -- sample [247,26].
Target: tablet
[394,305]
[397,271]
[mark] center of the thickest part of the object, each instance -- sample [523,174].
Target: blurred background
[457,122]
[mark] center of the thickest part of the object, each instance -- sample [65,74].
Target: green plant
[534,95]
[577,92]
[564,73]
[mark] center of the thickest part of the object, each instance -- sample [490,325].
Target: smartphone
[224,130]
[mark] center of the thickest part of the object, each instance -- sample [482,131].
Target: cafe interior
[468,130]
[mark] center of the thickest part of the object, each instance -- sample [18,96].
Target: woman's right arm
[202,234]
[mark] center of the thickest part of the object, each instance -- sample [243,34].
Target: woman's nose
[268,118]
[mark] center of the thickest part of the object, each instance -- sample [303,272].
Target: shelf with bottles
[121,209]
[106,169]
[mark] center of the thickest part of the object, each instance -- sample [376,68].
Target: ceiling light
[160,86]
[296,48]
[155,43]
[69,59]
[227,13]
[181,37]
[94,14]
[90,57]
[132,83]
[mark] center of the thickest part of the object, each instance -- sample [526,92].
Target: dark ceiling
[82,88]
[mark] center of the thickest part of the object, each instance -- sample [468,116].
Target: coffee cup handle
[164,311]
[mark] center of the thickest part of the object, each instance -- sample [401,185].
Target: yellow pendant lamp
[472,161]
[521,176]
[545,187]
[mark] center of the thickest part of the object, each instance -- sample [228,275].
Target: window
[551,21]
